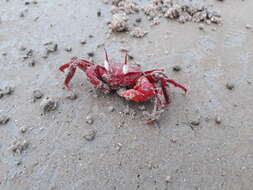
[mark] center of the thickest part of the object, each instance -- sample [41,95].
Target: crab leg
[69,76]
[152,117]
[153,70]
[161,95]
[176,84]
[81,63]
[93,76]
[161,99]
[65,66]
[164,90]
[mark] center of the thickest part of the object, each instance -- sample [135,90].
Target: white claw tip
[125,69]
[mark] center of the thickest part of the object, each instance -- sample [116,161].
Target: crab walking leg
[165,91]
[161,100]
[65,66]
[93,76]
[81,63]
[157,109]
[176,84]
[71,73]
[161,97]
[158,100]
[153,70]
[142,91]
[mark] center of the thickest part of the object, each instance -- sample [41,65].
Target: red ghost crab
[129,81]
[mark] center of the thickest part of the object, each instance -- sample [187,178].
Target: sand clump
[126,6]
[138,33]
[120,10]
[48,104]
[181,12]
[119,23]
[123,10]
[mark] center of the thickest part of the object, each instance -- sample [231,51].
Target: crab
[129,81]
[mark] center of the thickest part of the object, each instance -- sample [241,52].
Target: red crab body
[129,80]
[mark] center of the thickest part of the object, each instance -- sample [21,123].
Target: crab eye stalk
[125,69]
[106,62]
[106,55]
[106,65]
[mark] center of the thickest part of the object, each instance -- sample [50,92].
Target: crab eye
[106,65]
[125,69]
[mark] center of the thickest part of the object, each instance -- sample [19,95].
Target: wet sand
[51,151]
